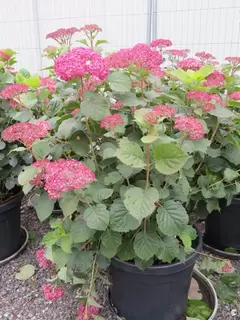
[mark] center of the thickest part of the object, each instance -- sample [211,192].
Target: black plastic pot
[157,293]
[222,229]
[10,226]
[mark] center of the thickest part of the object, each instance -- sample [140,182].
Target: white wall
[212,25]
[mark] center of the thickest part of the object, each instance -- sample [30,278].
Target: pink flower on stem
[62,36]
[13,104]
[13,91]
[190,64]
[75,112]
[215,79]
[80,62]
[42,260]
[228,267]
[199,96]
[87,312]
[51,292]
[111,122]
[25,132]
[39,179]
[182,53]
[158,112]
[235,61]
[90,28]
[49,84]
[190,126]
[205,55]
[208,107]
[235,95]
[161,43]
[117,105]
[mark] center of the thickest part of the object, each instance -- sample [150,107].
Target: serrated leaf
[67,128]
[80,231]
[3,144]
[142,265]
[27,174]
[120,219]
[222,112]
[28,99]
[125,171]
[94,106]
[169,158]
[163,193]
[172,218]
[98,192]
[68,203]
[125,251]
[140,203]
[111,240]
[60,257]
[82,260]
[130,153]
[168,249]
[66,243]
[97,217]
[146,244]
[44,206]
[112,178]
[230,175]
[25,272]
[119,82]
[41,149]
[187,235]
[80,145]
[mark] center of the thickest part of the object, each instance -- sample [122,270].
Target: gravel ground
[24,299]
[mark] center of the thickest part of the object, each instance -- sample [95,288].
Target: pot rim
[10,203]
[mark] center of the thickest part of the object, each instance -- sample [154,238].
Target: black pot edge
[198,276]
[164,268]
[23,246]
[8,204]
[224,254]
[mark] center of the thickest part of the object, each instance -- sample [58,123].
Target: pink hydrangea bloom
[13,91]
[151,118]
[191,126]
[215,79]
[82,312]
[190,64]
[39,179]
[116,105]
[48,83]
[199,96]
[51,292]
[120,59]
[4,56]
[62,176]
[205,55]
[215,98]
[44,125]
[13,104]
[161,43]
[235,96]
[233,60]
[178,53]
[42,260]
[91,28]
[62,36]
[80,62]
[24,132]
[157,112]
[228,267]
[208,107]
[75,112]
[111,122]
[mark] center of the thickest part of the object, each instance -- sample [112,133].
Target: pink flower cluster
[190,126]
[26,132]
[190,64]
[178,53]
[157,112]
[208,107]
[117,105]
[80,62]
[4,56]
[75,112]
[87,312]
[90,28]
[42,260]
[233,60]
[13,91]
[161,43]
[235,96]
[215,79]
[111,122]
[205,55]
[62,36]
[51,292]
[48,83]
[62,176]
[228,267]
[199,96]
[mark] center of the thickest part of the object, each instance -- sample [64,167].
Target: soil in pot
[222,228]
[10,225]
[157,293]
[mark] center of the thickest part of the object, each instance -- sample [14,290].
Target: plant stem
[93,274]
[148,164]
[91,145]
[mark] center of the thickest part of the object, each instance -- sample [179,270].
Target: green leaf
[80,231]
[119,82]
[230,175]
[111,240]
[130,153]
[94,106]
[120,219]
[98,42]
[172,218]
[168,249]
[28,99]
[163,193]
[44,206]
[97,217]
[125,251]
[225,292]
[201,145]
[51,237]
[41,149]
[60,257]
[98,192]
[19,149]
[27,174]
[67,128]
[23,116]
[198,309]
[208,264]
[169,158]
[66,243]
[80,145]
[112,178]
[25,272]
[3,144]
[68,203]
[149,139]
[108,150]
[6,78]
[140,203]
[181,75]
[146,244]
[33,82]
[130,99]
[222,112]
[142,265]
[205,71]
[83,260]
[187,235]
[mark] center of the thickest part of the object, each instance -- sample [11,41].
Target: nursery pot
[157,293]
[222,228]
[10,226]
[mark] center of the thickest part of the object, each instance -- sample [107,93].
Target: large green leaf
[130,154]
[125,251]
[28,99]
[27,174]
[6,78]
[68,203]
[25,272]
[169,158]
[97,217]
[230,175]
[66,243]
[108,150]
[112,178]
[187,235]
[120,219]
[140,203]
[146,244]
[111,240]
[80,231]
[222,112]
[172,218]
[67,128]
[33,82]
[41,149]
[94,106]
[44,206]
[83,260]
[168,249]
[80,145]
[98,192]
[60,257]
[119,82]
[130,99]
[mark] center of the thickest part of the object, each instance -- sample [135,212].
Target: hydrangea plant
[129,164]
